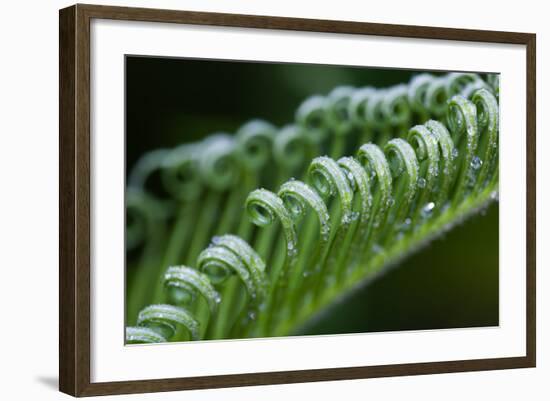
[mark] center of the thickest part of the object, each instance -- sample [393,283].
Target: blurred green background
[453,282]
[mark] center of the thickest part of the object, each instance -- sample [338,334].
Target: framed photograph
[251,200]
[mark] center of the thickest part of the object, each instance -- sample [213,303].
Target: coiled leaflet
[328,179]
[165,319]
[143,335]
[217,164]
[180,172]
[296,195]
[263,207]
[254,143]
[187,282]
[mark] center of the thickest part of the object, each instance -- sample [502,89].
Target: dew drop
[291,249]
[218,298]
[351,180]
[346,219]
[476,163]
[421,183]
[353,216]
[454,153]
[427,209]
[325,231]
[251,315]
[370,171]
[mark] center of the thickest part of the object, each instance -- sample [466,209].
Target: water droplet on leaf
[476,163]
[427,209]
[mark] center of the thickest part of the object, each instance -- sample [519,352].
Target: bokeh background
[452,282]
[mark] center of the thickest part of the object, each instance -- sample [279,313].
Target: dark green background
[453,282]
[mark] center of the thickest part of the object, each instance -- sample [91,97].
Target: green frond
[245,249]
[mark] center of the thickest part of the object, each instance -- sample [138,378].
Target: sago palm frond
[254,234]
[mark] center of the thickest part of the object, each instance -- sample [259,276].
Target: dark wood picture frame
[74,202]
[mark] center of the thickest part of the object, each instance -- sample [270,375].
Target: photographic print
[284,199]
[291,200]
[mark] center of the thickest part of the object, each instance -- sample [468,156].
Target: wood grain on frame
[74,199]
